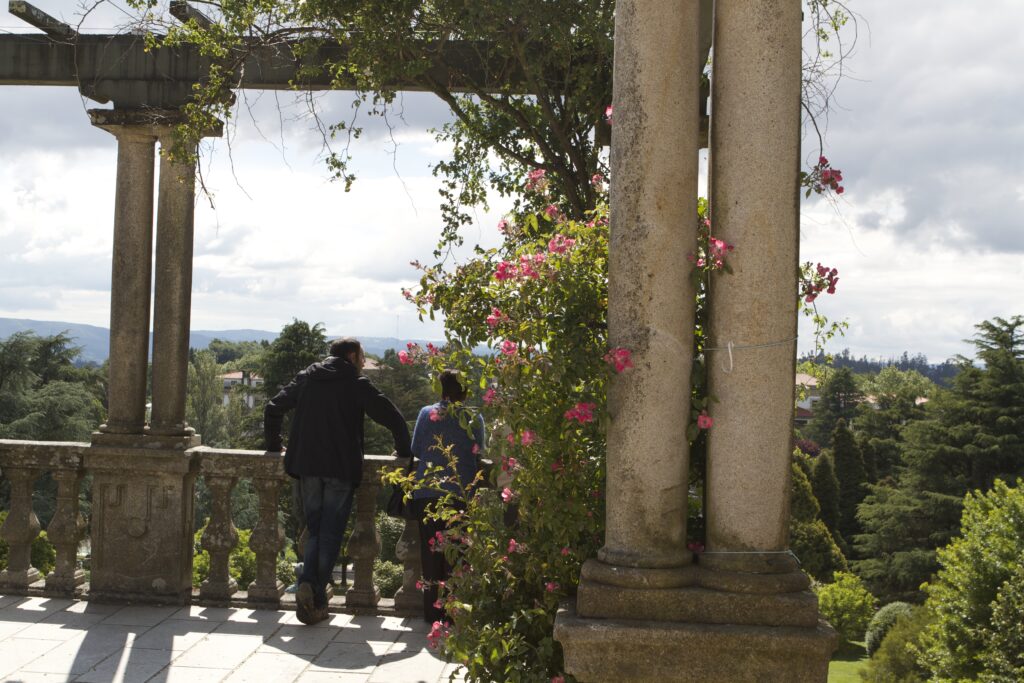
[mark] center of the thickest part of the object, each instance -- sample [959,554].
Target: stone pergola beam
[118,67]
[182,11]
[31,14]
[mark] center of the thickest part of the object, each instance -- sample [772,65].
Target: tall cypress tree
[826,490]
[852,478]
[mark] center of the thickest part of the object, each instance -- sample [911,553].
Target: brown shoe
[304,608]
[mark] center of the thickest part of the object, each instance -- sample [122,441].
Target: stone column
[755,149]
[651,302]
[130,281]
[173,290]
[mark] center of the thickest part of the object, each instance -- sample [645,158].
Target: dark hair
[451,387]
[340,348]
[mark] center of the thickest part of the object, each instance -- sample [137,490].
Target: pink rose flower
[490,396]
[704,421]
[551,586]
[507,496]
[621,358]
[404,358]
[528,437]
[508,347]
[581,412]
[513,546]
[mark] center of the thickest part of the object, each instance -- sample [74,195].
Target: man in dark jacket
[325,453]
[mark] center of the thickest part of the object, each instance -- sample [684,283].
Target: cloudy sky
[928,237]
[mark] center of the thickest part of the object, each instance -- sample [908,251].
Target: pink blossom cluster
[535,180]
[508,347]
[551,586]
[597,180]
[559,244]
[509,464]
[704,421]
[824,177]
[437,543]
[504,226]
[619,357]
[526,438]
[490,396]
[823,279]
[413,353]
[608,114]
[514,547]
[495,317]
[526,268]
[581,412]
[439,630]
[436,415]
[716,252]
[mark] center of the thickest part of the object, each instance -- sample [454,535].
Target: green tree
[809,538]
[409,387]
[204,399]
[896,660]
[897,401]
[840,396]
[972,434]
[826,491]
[847,605]
[977,593]
[297,347]
[852,478]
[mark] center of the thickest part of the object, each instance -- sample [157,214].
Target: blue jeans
[326,504]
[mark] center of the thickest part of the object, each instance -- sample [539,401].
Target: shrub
[847,605]
[882,622]
[241,562]
[43,555]
[387,577]
[977,595]
[896,660]
[390,530]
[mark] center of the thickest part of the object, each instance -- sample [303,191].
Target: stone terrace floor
[44,639]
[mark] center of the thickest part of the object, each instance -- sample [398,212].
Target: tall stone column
[755,150]
[173,290]
[131,273]
[651,302]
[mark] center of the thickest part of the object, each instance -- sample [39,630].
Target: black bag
[397,506]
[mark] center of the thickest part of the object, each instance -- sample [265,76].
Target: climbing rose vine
[539,302]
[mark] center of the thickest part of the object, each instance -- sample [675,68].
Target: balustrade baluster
[409,598]
[65,530]
[266,541]
[219,539]
[19,530]
[364,545]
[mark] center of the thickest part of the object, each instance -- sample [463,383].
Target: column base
[19,580]
[270,596]
[142,524]
[66,586]
[640,651]
[147,440]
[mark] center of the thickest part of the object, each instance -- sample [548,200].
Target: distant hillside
[940,373]
[95,341]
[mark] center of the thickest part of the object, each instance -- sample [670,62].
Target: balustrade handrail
[23,462]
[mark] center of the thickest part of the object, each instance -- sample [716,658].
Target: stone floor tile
[265,629]
[32,609]
[265,666]
[12,628]
[128,666]
[46,630]
[6,600]
[36,677]
[408,667]
[174,634]
[89,607]
[14,654]
[140,615]
[363,628]
[184,674]
[204,613]
[80,654]
[219,651]
[332,677]
[298,640]
[335,620]
[354,657]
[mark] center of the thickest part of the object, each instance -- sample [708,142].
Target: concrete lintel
[31,14]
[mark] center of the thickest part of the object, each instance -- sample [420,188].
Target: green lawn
[847,663]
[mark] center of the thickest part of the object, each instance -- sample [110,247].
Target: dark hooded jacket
[330,399]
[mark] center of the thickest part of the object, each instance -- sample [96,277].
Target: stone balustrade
[22,463]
